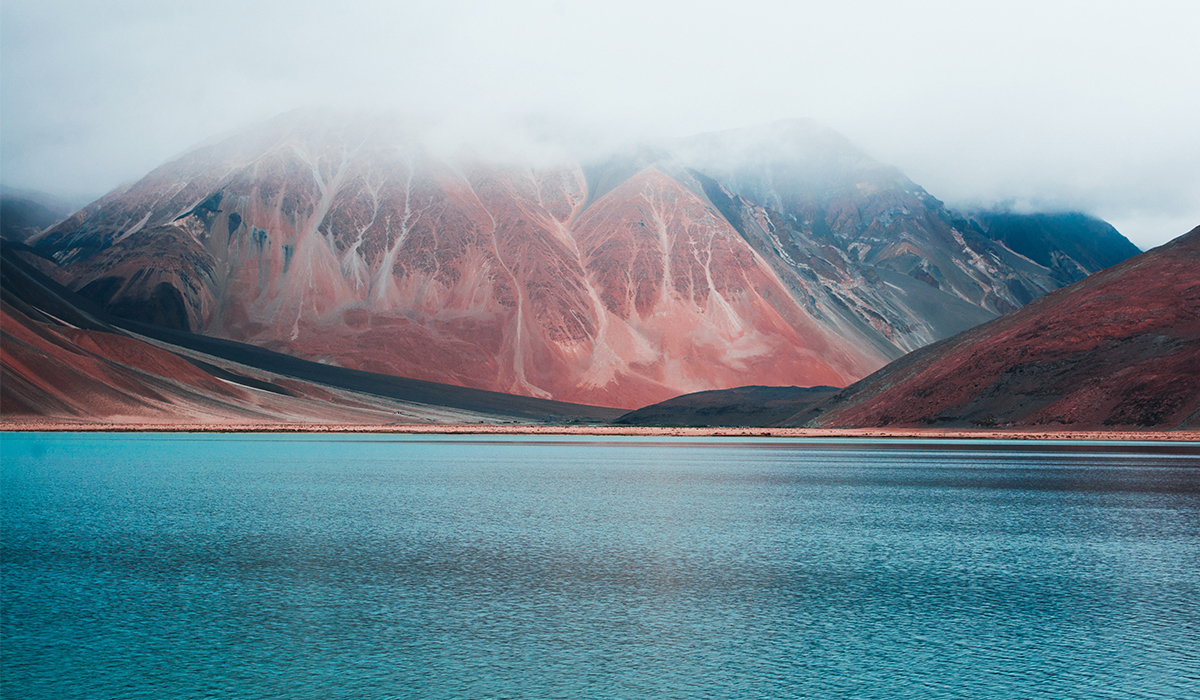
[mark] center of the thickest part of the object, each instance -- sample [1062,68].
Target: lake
[317,566]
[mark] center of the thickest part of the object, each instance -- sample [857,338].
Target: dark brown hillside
[756,406]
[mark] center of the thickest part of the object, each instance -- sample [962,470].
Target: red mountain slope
[65,373]
[65,360]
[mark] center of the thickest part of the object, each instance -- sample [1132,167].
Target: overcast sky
[1045,105]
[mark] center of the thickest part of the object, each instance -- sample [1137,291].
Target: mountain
[1073,245]
[756,406]
[777,255]
[24,214]
[1119,349]
[64,359]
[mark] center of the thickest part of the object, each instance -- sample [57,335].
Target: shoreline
[52,426]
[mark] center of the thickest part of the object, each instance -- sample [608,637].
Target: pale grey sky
[1046,105]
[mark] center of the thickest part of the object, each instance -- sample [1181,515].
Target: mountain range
[780,255]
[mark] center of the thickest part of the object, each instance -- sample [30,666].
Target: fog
[1034,105]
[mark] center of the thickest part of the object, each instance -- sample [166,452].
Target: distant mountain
[775,255]
[1120,349]
[24,214]
[1073,245]
[756,406]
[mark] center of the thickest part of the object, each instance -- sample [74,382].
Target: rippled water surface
[176,566]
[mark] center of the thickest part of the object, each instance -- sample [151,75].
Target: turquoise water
[180,566]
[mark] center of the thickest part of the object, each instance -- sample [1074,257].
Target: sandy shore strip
[37,425]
